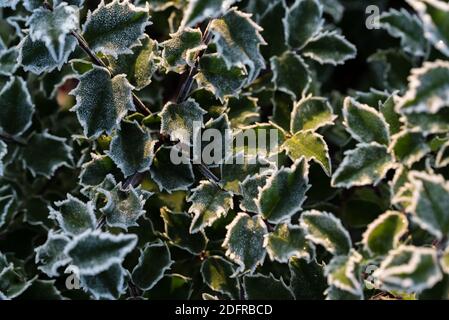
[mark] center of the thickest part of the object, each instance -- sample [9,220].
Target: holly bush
[350,200]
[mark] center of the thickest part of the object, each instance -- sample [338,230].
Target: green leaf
[442,159]
[430,203]
[209,203]
[401,24]
[290,74]
[168,175]
[101,102]
[261,287]
[238,39]
[327,230]
[367,164]
[131,148]
[287,241]
[51,254]
[307,280]
[242,110]
[7,202]
[3,153]
[108,284]
[311,146]
[16,107]
[333,8]
[115,28]
[284,193]
[365,123]
[409,147]
[139,66]
[215,76]
[428,89]
[178,52]
[311,113]
[199,10]
[13,282]
[42,288]
[249,189]
[302,21]
[384,233]
[409,269]
[73,215]
[53,27]
[444,261]
[217,274]
[9,61]
[429,123]
[177,230]
[154,261]
[343,273]
[93,252]
[391,116]
[273,29]
[244,242]
[95,171]
[45,153]
[329,48]
[181,121]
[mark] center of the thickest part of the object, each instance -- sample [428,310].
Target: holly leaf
[101,102]
[261,287]
[409,147]
[249,189]
[114,28]
[241,110]
[343,273]
[302,21]
[442,159]
[290,74]
[307,280]
[365,123]
[51,254]
[131,148]
[444,261]
[13,282]
[329,48]
[93,252]
[45,153]
[244,242]
[273,28]
[429,123]
[311,146]
[95,171]
[209,203]
[217,274]
[3,153]
[311,113]
[325,229]
[409,269]
[391,116]
[9,61]
[383,234]
[16,107]
[367,164]
[154,261]
[288,241]
[73,215]
[108,284]
[284,193]
[199,10]
[9,4]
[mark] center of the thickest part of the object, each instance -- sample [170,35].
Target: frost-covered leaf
[428,89]
[108,284]
[329,48]
[168,175]
[9,4]
[238,38]
[199,10]
[45,153]
[209,203]
[249,189]
[409,269]
[365,123]
[343,272]
[311,146]
[365,165]
[177,227]
[217,274]
[215,76]
[442,159]
[444,261]
[182,120]
[101,102]
[288,241]
[430,203]
[16,107]
[3,153]
[302,21]
[311,113]
[307,280]
[290,74]
[383,234]
[42,288]
[391,116]
[429,123]
[50,256]
[9,61]
[53,27]
[154,261]
[244,241]
[13,282]
[73,215]
[116,27]
[327,230]
[260,287]
[406,26]
[95,171]
[218,135]
[179,50]
[131,148]
[333,8]
[138,66]
[273,29]
[409,147]
[284,193]
[242,110]
[93,252]
[7,202]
